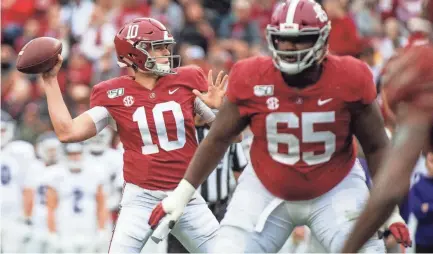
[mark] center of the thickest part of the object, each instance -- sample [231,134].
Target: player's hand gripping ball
[39,55]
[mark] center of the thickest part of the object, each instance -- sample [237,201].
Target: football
[39,55]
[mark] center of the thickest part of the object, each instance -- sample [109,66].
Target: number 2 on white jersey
[149,147]
[308,136]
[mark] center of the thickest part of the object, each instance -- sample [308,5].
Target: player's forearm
[28,197]
[102,215]
[59,113]
[390,185]
[51,221]
[205,160]
[374,159]
[377,211]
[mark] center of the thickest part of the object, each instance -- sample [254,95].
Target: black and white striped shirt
[221,181]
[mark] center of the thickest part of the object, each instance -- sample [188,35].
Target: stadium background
[210,33]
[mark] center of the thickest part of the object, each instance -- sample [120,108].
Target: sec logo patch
[128,101]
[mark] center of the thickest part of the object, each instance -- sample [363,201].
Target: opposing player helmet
[100,142]
[7,128]
[48,148]
[137,39]
[74,156]
[296,19]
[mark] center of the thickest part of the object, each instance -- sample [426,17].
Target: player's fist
[168,211]
[52,73]
[158,213]
[401,233]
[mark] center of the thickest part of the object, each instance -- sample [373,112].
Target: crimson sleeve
[367,87]
[235,85]
[199,79]
[238,91]
[96,97]
[359,81]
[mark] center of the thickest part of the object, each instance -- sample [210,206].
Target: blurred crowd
[212,34]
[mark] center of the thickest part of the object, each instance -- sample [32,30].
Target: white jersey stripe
[291,11]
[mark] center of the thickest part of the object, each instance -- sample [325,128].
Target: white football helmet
[100,142]
[74,156]
[48,148]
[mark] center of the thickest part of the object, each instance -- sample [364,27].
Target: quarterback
[153,112]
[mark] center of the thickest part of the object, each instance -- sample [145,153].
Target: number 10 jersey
[156,127]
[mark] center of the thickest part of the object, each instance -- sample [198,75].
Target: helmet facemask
[151,64]
[49,151]
[74,157]
[304,58]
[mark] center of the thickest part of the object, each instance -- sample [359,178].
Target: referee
[218,187]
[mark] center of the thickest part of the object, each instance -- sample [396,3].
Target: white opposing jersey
[39,177]
[111,162]
[76,198]
[12,185]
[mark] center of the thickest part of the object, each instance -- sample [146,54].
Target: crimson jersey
[303,144]
[155,126]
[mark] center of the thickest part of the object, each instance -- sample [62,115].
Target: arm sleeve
[100,116]
[98,112]
[201,109]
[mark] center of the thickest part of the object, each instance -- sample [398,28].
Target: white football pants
[196,228]
[257,221]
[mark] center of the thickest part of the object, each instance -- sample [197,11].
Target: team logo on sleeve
[128,101]
[263,90]
[114,93]
[273,103]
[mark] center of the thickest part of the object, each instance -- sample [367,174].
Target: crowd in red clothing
[211,34]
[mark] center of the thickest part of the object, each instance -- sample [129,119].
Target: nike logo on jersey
[321,103]
[172,92]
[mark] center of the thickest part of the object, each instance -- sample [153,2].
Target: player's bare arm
[407,88]
[227,125]
[101,208]
[28,201]
[368,127]
[51,209]
[66,128]
[391,183]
